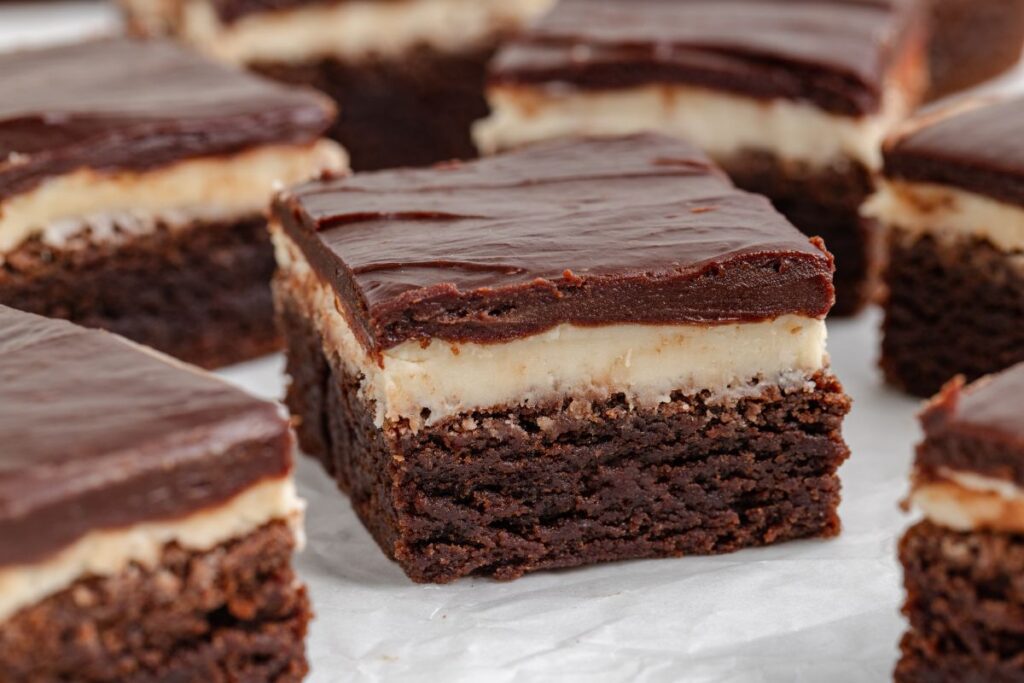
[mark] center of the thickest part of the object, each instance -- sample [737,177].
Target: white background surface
[808,611]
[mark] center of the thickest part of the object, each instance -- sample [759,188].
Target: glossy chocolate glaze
[836,54]
[992,407]
[125,104]
[591,232]
[979,149]
[97,433]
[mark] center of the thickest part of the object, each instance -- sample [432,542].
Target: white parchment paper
[815,611]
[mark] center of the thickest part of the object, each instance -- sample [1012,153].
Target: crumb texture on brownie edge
[236,612]
[963,604]
[480,508]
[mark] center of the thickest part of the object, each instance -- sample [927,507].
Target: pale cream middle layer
[965,501]
[722,124]
[220,187]
[110,552]
[644,362]
[350,30]
[943,211]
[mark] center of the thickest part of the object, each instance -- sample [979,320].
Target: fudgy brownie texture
[515,490]
[973,41]
[413,111]
[952,307]
[965,603]
[235,613]
[200,293]
[826,204]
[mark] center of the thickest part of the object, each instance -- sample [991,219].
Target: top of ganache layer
[838,54]
[975,145]
[641,229]
[118,103]
[97,433]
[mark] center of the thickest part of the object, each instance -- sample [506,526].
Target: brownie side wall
[413,111]
[952,307]
[508,492]
[965,604]
[234,613]
[822,203]
[200,293]
[973,41]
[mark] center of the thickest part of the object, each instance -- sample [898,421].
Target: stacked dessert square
[585,351]
[147,517]
[963,564]
[791,98]
[953,200]
[133,187]
[408,75]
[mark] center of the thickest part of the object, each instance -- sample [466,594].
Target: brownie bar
[147,516]
[793,99]
[233,613]
[408,77]
[953,202]
[962,564]
[973,41]
[513,489]
[134,187]
[653,339]
[201,294]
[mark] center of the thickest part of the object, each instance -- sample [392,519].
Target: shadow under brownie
[133,192]
[583,352]
[953,204]
[963,564]
[792,99]
[147,517]
[408,76]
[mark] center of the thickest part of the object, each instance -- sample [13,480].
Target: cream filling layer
[204,188]
[644,362]
[943,211]
[109,552]
[350,30]
[965,501]
[722,124]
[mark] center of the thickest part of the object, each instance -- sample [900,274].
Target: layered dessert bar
[147,517]
[953,198]
[585,351]
[791,98]
[964,562]
[408,75]
[134,179]
[972,41]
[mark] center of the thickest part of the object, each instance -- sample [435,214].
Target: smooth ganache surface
[119,103]
[836,54]
[642,229]
[979,149]
[97,433]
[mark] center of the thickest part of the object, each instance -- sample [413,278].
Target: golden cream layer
[723,124]
[965,501]
[110,552]
[220,187]
[349,30]
[947,212]
[645,362]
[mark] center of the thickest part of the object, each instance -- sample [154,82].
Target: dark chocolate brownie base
[973,41]
[392,113]
[502,493]
[200,293]
[235,613]
[965,604]
[952,307]
[822,204]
